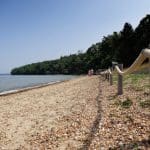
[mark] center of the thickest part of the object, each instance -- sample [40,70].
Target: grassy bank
[138,84]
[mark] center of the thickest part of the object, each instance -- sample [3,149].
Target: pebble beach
[75,114]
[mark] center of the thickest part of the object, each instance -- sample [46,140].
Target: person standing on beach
[90,72]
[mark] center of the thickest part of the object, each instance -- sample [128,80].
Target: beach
[24,115]
[75,114]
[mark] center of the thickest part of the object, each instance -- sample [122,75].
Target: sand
[76,114]
[25,114]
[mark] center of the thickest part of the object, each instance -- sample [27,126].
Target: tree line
[122,47]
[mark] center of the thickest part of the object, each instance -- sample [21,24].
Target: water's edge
[9,92]
[11,84]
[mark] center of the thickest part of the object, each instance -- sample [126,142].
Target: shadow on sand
[87,142]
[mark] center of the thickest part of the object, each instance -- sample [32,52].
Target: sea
[16,82]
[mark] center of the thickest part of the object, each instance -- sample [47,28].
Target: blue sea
[15,82]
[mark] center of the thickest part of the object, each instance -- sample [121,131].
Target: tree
[142,35]
[126,53]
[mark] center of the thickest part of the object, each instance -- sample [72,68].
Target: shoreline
[15,91]
[27,88]
[25,115]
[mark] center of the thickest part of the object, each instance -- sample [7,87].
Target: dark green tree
[126,45]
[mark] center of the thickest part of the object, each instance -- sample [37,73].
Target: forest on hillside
[122,47]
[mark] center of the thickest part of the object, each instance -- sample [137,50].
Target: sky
[38,30]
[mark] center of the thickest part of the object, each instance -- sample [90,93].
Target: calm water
[9,82]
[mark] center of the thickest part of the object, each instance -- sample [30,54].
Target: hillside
[123,47]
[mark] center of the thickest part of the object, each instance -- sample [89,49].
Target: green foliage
[127,103]
[145,103]
[126,53]
[123,47]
